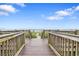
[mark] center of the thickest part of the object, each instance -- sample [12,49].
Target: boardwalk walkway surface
[37,47]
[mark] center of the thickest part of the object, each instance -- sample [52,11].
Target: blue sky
[39,16]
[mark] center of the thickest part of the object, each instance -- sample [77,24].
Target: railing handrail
[6,35]
[4,39]
[66,36]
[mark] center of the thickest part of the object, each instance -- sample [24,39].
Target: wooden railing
[64,45]
[7,35]
[11,44]
[75,32]
[68,34]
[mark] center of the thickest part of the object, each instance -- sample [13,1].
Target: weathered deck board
[37,47]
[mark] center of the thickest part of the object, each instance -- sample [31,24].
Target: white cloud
[4,14]
[7,8]
[69,9]
[54,17]
[63,13]
[59,15]
[77,8]
[21,4]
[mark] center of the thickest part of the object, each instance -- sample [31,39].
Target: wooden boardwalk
[37,47]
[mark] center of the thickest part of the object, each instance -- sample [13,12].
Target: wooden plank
[37,47]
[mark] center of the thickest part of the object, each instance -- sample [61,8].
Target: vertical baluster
[48,37]
[2,48]
[7,48]
[67,42]
[56,43]
[20,43]
[76,48]
[64,47]
[11,47]
[52,38]
[68,47]
[72,44]
[61,46]
[14,45]
[25,37]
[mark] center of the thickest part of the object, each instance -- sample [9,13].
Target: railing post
[72,44]
[56,43]
[68,47]
[61,45]
[76,48]
[14,45]
[64,47]
[49,39]
[1,48]
[5,48]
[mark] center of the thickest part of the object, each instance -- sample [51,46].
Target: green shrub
[45,34]
[33,34]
